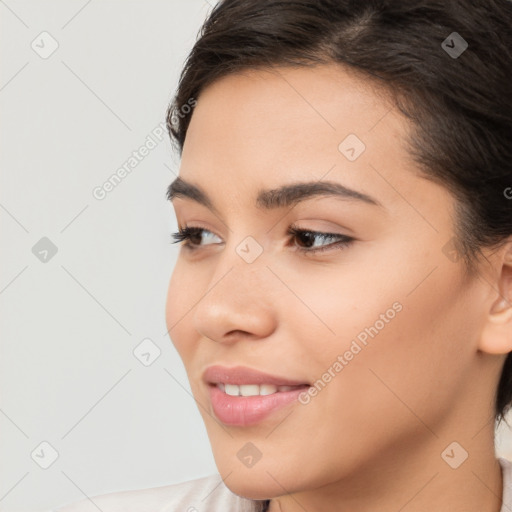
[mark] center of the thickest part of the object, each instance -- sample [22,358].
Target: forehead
[261,128]
[333,97]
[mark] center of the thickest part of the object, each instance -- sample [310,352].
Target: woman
[342,300]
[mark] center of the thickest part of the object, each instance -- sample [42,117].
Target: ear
[496,336]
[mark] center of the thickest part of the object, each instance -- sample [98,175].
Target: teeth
[252,389]
[231,389]
[267,389]
[249,390]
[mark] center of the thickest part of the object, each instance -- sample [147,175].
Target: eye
[191,236]
[308,238]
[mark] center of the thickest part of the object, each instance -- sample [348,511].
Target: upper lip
[241,375]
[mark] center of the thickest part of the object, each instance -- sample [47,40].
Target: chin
[266,479]
[254,485]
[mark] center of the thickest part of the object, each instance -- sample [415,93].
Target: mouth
[242,396]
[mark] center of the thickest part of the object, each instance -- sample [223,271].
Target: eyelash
[184,235]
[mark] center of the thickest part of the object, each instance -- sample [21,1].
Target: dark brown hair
[458,98]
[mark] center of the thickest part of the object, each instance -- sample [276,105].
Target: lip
[243,411]
[241,375]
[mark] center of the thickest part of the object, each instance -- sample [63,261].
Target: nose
[237,303]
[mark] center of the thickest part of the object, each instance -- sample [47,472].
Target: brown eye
[307,238]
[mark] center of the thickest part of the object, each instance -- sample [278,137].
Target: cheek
[405,351]
[182,294]
[332,306]
[405,309]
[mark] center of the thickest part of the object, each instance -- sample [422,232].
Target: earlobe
[500,306]
[496,337]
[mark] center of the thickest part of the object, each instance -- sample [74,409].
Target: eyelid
[191,227]
[193,224]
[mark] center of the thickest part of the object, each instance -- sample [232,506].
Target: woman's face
[386,325]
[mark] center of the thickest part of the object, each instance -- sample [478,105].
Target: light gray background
[69,325]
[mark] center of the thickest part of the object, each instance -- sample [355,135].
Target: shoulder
[506,470]
[199,495]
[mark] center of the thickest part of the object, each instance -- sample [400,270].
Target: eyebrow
[281,197]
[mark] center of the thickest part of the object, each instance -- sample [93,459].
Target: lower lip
[243,411]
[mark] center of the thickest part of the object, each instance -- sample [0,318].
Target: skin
[425,380]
